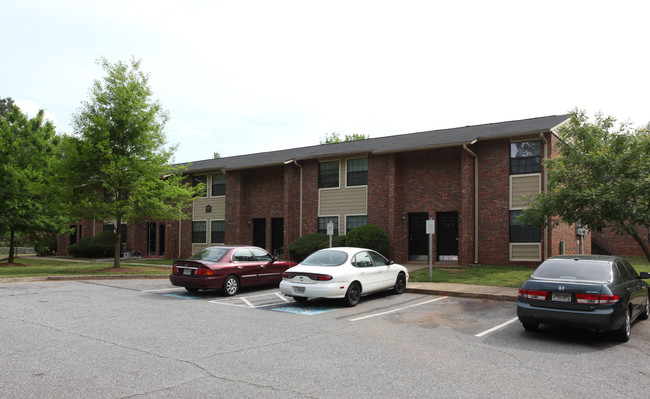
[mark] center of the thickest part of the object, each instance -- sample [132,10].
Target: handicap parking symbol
[306,311]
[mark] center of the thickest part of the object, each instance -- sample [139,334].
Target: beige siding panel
[351,201]
[525,251]
[522,186]
[218,205]
[197,247]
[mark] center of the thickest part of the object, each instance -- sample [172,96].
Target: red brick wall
[494,205]
[620,244]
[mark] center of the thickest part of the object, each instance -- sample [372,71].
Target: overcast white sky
[241,77]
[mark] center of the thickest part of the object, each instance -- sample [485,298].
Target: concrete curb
[83,277]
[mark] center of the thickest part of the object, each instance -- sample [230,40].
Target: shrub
[337,241]
[310,243]
[305,245]
[80,248]
[102,245]
[369,236]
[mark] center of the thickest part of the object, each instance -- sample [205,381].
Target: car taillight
[203,272]
[534,294]
[313,276]
[587,299]
[175,269]
[594,299]
[320,277]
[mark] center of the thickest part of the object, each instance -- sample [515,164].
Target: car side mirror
[644,275]
[390,262]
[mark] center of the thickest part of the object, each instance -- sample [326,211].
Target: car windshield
[569,269]
[326,258]
[210,254]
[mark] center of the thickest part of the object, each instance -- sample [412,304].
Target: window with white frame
[525,157]
[198,179]
[218,184]
[322,224]
[328,174]
[199,235]
[217,231]
[355,221]
[357,172]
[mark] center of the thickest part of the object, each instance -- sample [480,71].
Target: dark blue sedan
[602,293]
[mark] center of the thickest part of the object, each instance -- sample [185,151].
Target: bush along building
[473,181]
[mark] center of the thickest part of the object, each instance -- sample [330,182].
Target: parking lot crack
[207,372]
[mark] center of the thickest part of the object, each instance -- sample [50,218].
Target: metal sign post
[431,230]
[330,231]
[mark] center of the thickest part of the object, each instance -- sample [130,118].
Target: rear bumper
[318,290]
[201,283]
[599,319]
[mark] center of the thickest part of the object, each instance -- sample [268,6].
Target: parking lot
[148,339]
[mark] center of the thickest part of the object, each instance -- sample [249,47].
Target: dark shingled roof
[388,144]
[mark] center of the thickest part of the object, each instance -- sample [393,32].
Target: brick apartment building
[472,181]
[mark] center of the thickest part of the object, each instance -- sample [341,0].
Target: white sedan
[343,272]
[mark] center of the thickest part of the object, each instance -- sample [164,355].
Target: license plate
[187,272]
[561,297]
[298,290]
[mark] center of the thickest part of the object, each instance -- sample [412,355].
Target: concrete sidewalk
[464,290]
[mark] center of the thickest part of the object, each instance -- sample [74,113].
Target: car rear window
[569,269]
[210,254]
[325,258]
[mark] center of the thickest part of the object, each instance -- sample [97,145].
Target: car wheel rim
[401,283]
[355,294]
[627,324]
[231,286]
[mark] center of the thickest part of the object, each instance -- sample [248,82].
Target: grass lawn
[499,276]
[34,267]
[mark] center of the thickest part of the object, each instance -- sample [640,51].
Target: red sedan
[227,268]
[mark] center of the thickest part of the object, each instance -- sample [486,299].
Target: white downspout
[541,135]
[473,155]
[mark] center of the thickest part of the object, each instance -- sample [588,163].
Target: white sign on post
[431,226]
[330,231]
[431,230]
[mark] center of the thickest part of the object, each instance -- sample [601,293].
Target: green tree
[116,162]
[336,138]
[28,154]
[601,177]
[6,105]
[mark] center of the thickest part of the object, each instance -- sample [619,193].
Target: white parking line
[247,302]
[398,309]
[486,332]
[162,289]
[284,298]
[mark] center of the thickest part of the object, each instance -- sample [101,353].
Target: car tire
[623,333]
[646,312]
[353,295]
[230,285]
[530,326]
[400,284]
[190,289]
[300,299]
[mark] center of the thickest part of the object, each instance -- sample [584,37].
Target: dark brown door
[447,236]
[418,240]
